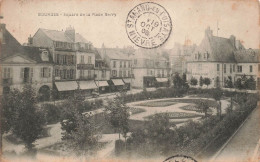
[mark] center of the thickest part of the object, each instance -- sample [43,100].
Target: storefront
[127,82]
[65,89]
[103,86]
[162,82]
[116,84]
[87,87]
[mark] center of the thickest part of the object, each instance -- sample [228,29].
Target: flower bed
[193,108]
[179,115]
[134,110]
[157,104]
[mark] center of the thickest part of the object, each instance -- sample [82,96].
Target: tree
[217,94]
[79,131]
[118,115]
[251,83]
[203,106]
[193,81]
[207,81]
[238,83]
[27,121]
[229,83]
[201,81]
[177,81]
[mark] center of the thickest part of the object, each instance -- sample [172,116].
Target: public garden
[167,121]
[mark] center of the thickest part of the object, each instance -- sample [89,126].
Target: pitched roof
[219,49]
[61,36]
[115,54]
[247,56]
[9,45]
[34,53]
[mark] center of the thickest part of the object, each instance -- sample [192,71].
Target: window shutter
[22,73]
[41,74]
[49,72]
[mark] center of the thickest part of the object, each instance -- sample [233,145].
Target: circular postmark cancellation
[180,158]
[148,25]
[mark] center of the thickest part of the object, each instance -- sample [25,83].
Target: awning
[66,86]
[127,80]
[102,83]
[87,85]
[162,79]
[118,82]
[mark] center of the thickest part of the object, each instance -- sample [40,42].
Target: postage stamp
[181,158]
[148,25]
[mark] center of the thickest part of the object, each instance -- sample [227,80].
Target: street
[244,146]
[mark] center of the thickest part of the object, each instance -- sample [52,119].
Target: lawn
[212,103]
[180,115]
[157,104]
[193,108]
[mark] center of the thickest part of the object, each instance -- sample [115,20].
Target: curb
[230,138]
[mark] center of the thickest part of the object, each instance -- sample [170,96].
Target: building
[102,73]
[179,55]
[150,69]
[220,59]
[119,64]
[74,58]
[23,65]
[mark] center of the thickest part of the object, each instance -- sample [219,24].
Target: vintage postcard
[130,80]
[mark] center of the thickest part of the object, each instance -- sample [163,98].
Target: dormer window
[45,56]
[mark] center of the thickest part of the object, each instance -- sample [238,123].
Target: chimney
[208,32]
[70,32]
[233,41]
[2,30]
[30,41]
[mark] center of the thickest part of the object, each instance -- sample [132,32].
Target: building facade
[22,65]
[222,60]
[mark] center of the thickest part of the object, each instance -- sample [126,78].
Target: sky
[190,18]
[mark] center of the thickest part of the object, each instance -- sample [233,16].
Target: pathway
[244,145]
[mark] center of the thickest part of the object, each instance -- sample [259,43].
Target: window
[114,64]
[151,72]
[124,72]
[71,73]
[234,68]
[135,61]
[120,63]
[239,69]
[56,72]
[45,72]
[129,75]
[103,73]
[195,56]
[89,59]
[217,67]
[82,59]
[258,67]
[124,63]
[81,73]
[64,74]
[89,73]
[230,68]
[251,68]
[225,68]
[199,67]
[120,73]
[114,73]
[129,64]
[68,73]
[7,73]
[162,73]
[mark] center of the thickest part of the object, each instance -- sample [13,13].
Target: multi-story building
[120,68]
[179,55]
[150,69]
[74,58]
[102,73]
[220,59]
[23,65]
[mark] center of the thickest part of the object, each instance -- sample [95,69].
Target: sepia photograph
[130,80]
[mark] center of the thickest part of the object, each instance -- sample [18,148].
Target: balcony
[85,66]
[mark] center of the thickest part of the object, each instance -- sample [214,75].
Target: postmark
[148,25]
[180,158]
